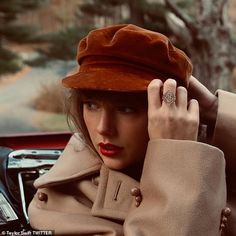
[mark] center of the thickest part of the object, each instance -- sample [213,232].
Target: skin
[208,103]
[179,120]
[121,122]
[132,125]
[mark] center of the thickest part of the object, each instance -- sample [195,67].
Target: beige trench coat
[182,190]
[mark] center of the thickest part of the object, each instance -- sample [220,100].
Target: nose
[107,123]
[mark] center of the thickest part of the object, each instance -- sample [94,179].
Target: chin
[115,165]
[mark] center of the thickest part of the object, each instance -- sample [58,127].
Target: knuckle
[170,116]
[194,121]
[182,119]
[152,116]
[156,117]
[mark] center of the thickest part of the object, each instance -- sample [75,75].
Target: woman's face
[117,126]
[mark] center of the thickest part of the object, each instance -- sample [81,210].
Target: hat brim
[119,81]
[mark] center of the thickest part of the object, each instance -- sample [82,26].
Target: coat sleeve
[225,138]
[225,130]
[183,191]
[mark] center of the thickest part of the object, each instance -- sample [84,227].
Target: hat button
[43,197]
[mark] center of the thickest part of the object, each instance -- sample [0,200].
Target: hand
[178,120]
[208,102]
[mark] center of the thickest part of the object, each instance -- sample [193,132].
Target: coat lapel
[76,162]
[114,197]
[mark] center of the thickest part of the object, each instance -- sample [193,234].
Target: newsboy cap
[126,58]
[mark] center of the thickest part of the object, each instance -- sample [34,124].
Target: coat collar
[76,161]
[113,197]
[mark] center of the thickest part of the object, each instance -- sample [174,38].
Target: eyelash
[91,106]
[126,109]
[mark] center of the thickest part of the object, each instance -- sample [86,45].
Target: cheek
[142,137]
[90,123]
[136,140]
[86,120]
[137,126]
[136,133]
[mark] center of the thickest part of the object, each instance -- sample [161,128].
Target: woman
[136,166]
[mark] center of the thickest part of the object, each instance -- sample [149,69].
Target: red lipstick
[109,150]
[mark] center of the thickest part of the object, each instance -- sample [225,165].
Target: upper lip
[109,146]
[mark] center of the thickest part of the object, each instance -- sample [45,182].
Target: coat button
[135,191]
[222,226]
[138,198]
[137,194]
[43,197]
[224,219]
[226,212]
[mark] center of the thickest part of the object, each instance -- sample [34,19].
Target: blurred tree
[206,34]
[10,31]
[96,13]
[198,27]
[61,45]
[150,15]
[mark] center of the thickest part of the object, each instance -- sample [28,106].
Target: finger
[193,108]
[169,90]
[154,94]
[198,91]
[182,97]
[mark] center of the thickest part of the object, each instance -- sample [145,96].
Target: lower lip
[110,152]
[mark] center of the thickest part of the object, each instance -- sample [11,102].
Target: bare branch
[207,40]
[233,53]
[178,27]
[199,7]
[210,11]
[181,15]
[221,4]
[206,7]
[221,11]
[173,8]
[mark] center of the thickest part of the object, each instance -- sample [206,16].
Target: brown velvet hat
[126,58]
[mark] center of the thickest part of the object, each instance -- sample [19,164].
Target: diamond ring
[169,97]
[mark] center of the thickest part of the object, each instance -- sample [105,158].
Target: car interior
[23,158]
